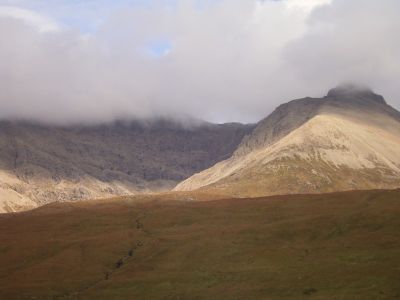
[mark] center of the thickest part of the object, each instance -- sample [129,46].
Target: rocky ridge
[40,163]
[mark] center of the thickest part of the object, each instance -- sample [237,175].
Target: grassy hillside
[332,246]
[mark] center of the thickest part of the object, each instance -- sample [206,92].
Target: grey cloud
[231,61]
[350,41]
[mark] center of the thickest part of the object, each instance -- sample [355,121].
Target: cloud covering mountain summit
[221,61]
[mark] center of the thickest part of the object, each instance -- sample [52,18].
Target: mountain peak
[355,91]
[341,142]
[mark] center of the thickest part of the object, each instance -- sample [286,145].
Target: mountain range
[227,211]
[347,140]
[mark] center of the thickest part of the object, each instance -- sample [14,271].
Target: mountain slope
[330,246]
[41,164]
[348,140]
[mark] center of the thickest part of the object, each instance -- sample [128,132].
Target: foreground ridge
[283,247]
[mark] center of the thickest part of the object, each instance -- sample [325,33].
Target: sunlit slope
[342,145]
[330,246]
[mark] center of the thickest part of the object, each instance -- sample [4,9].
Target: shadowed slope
[42,163]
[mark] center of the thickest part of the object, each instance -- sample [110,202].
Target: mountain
[40,163]
[350,139]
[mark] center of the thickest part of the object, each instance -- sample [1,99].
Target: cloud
[308,5]
[43,24]
[225,60]
[350,41]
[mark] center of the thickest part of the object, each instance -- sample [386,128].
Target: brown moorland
[329,246]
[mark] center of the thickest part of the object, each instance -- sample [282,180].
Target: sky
[218,60]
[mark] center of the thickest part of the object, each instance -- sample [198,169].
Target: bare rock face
[348,140]
[40,164]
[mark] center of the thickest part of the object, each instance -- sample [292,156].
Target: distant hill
[348,140]
[40,164]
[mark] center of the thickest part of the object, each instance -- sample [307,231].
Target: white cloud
[307,5]
[42,23]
